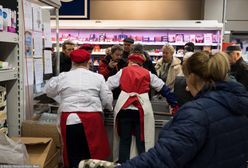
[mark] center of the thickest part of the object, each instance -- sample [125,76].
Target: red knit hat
[137,58]
[80,56]
[87,46]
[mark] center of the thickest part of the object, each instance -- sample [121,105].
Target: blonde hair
[169,47]
[210,68]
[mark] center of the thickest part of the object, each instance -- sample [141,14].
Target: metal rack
[11,78]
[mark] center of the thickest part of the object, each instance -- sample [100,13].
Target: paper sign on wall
[37,18]
[38,71]
[47,35]
[30,71]
[28,17]
[37,44]
[48,62]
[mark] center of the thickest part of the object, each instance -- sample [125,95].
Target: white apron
[149,126]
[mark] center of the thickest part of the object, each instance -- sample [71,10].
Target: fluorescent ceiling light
[47,7]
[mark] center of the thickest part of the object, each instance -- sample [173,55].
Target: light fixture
[47,7]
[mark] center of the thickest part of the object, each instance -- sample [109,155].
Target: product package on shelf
[171,38]
[215,38]
[192,38]
[4,65]
[1,18]
[145,39]
[157,38]
[7,20]
[208,38]
[3,111]
[179,38]
[186,38]
[199,38]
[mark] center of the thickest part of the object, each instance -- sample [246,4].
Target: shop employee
[83,96]
[133,111]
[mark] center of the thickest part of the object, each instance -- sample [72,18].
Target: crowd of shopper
[208,130]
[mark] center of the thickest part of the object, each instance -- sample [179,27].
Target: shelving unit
[37,61]
[152,34]
[11,77]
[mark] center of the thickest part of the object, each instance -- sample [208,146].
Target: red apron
[135,79]
[95,134]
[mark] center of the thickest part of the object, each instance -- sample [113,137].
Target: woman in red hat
[133,111]
[83,95]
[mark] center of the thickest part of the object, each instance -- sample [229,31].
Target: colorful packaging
[192,38]
[208,38]
[186,38]
[199,38]
[1,18]
[172,38]
[13,21]
[179,38]
[4,65]
[5,19]
[9,20]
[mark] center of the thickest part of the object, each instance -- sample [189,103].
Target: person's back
[223,124]
[138,79]
[80,89]
[208,132]
[183,96]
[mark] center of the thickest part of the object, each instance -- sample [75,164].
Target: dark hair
[137,48]
[232,48]
[210,68]
[190,47]
[67,42]
[128,40]
[115,48]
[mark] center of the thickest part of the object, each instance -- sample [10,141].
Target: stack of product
[3,111]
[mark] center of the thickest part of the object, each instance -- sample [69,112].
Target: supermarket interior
[123,83]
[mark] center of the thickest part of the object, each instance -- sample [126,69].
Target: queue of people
[194,137]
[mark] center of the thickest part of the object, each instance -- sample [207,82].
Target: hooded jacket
[209,132]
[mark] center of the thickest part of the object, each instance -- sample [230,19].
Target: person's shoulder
[194,111]
[176,61]
[244,65]
[97,75]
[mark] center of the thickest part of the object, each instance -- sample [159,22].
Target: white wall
[213,10]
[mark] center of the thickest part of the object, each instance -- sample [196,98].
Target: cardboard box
[33,128]
[41,151]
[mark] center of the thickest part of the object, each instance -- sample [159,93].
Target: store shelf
[98,53]
[9,37]
[139,42]
[6,75]
[154,54]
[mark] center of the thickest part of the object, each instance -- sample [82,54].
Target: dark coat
[65,63]
[240,71]
[106,71]
[208,132]
[148,64]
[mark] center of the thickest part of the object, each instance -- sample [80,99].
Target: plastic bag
[12,152]
[95,163]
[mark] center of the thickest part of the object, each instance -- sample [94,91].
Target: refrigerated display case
[153,34]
